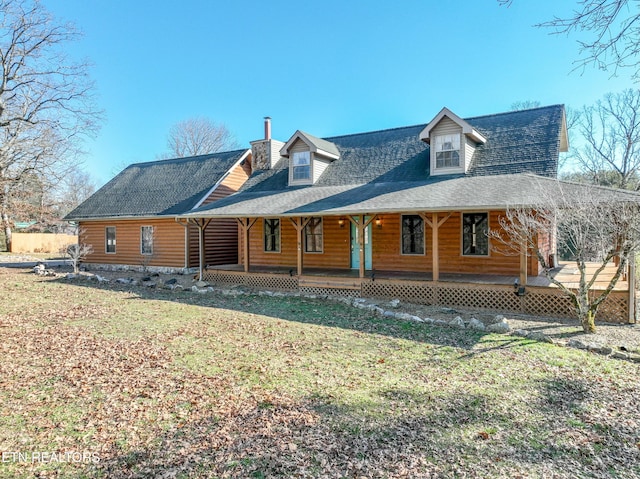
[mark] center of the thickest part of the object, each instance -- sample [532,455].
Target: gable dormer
[308,157]
[452,143]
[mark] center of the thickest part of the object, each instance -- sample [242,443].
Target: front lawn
[115,381]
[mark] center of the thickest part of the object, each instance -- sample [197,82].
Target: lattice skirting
[273,282]
[536,301]
[491,297]
[341,292]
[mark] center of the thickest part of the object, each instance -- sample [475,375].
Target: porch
[500,293]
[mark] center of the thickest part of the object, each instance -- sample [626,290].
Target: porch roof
[435,194]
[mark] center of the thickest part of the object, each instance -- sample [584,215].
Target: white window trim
[488,213]
[447,169]
[115,242]
[424,237]
[301,181]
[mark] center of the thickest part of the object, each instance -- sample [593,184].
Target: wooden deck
[567,274]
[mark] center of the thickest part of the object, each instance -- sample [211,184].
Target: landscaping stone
[394,303]
[520,332]
[574,343]
[476,324]
[201,284]
[404,316]
[389,314]
[500,327]
[171,281]
[620,355]
[540,337]
[39,268]
[457,322]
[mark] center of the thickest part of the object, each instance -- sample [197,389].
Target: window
[475,230]
[412,234]
[110,239]
[301,166]
[272,235]
[313,236]
[447,151]
[146,240]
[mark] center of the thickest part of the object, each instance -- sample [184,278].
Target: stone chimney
[265,153]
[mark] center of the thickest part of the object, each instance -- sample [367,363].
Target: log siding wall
[387,249]
[168,242]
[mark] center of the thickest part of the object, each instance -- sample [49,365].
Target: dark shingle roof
[389,170]
[525,141]
[167,187]
[453,193]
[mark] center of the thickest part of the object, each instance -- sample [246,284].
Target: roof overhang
[480,193]
[467,129]
[122,218]
[244,156]
[313,146]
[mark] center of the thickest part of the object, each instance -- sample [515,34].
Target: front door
[355,247]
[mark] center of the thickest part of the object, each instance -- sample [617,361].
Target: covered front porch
[502,293]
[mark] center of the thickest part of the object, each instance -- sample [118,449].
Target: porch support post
[632,287]
[435,224]
[246,224]
[299,224]
[185,223]
[361,225]
[523,263]
[202,224]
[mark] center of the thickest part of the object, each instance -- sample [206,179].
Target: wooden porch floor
[567,274]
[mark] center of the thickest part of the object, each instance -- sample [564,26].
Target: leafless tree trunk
[78,252]
[596,224]
[198,136]
[46,102]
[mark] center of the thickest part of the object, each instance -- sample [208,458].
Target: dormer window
[447,148]
[453,143]
[308,157]
[301,166]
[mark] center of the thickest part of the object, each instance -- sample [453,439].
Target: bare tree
[611,131]
[524,105]
[198,136]
[77,186]
[614,26]
[79,251]
[46,102]
[595,224]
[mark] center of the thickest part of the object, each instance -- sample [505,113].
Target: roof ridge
[186,158]
[373,131]
[511,112]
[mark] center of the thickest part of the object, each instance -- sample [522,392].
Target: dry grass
[174,384]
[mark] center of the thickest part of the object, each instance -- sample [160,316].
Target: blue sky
[328,68]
